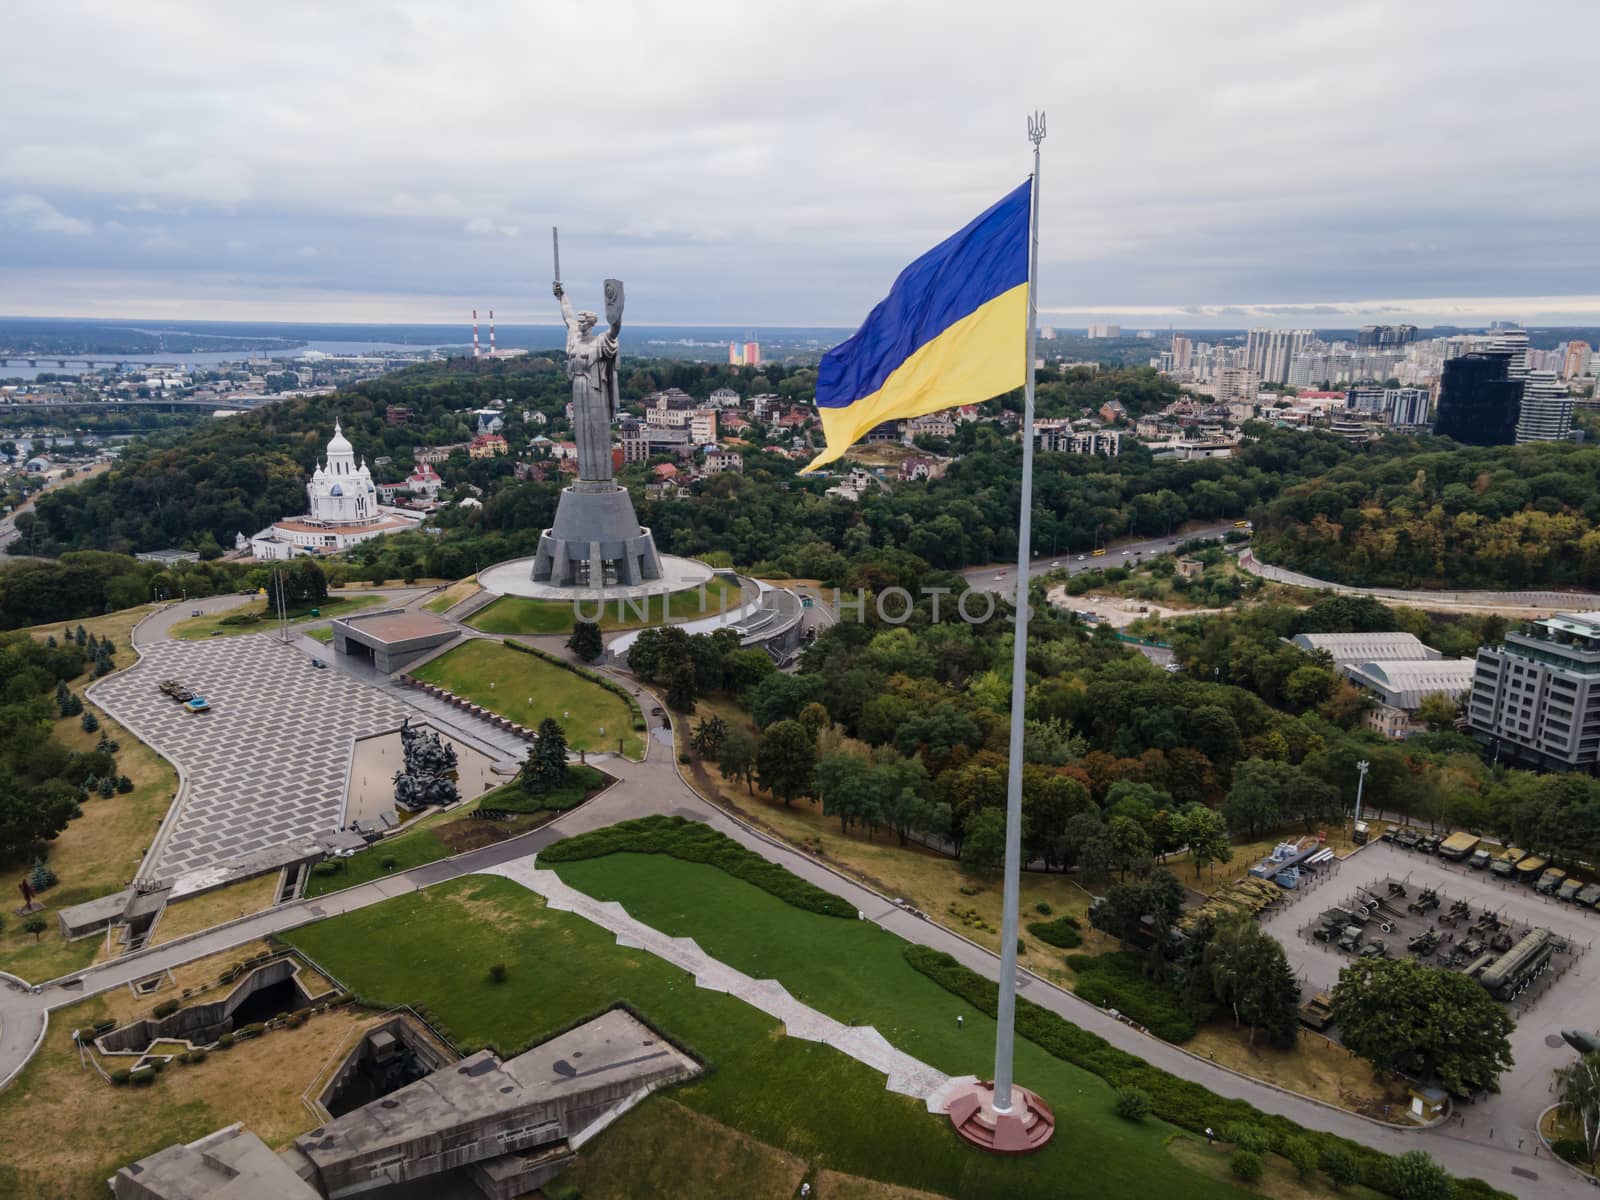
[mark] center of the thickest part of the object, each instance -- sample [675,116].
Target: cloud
[1290,154]
[38,214]
[484,227]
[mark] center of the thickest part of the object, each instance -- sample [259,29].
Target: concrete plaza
[269,762]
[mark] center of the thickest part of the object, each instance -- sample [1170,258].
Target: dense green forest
[1425,513]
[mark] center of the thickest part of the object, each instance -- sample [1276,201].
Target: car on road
[1081,557]
[1054,565]
[1001,575]
[319,664]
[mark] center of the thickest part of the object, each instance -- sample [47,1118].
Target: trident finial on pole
[1036,128]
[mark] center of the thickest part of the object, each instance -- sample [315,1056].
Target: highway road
[1000,577]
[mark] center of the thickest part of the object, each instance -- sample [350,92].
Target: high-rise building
[1237,384]
[1575,361]
[1182,350]
[1270,351]
[1512,342]
[735,354]
[1407,405]
[1478,401]
[1546,414]
[752,354]
[1536,696]
[1105,331]
[1386,335]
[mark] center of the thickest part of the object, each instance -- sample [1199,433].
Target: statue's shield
[613,301]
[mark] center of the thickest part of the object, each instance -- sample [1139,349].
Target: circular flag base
[1027,1126]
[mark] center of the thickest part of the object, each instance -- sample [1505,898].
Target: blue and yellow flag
[952,330]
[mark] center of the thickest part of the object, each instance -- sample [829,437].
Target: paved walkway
[906,1075]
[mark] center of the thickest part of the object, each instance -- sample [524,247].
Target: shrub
[694,841]
[1342,1167]
[120,1076]
[1245,1165]
[683,758]
[225,1041]
[1302,1154]
[1063,932]
[325,868]
[1043,908]
[165,1009]
[1131,1104]
[388,862]
[41,877]
[1571,1150]
[1248,1137]
[89,722]
[193,1056]
[497,973]
[1415,1176]
[1117,981]
[250,1031]
[143,1077]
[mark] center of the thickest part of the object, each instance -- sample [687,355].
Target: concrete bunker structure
[505,1127]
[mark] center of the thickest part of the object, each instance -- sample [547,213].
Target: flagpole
[1004,1037]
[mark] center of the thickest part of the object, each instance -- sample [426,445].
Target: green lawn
[518,614]
[434,948]
[526,689]
[229,623]
[422,843]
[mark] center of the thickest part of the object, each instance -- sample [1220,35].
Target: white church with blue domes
[344,510]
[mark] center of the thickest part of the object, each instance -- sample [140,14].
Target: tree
[1580,1099]
[546,765]
[815,718]
[847,785]
[1246,970]
[1342,1166]
[1130,845]
[737,755]
[1205,832]
[984,847]
[36,925]
[585,641]
[681,688]
[708,736]
[1415,1176]
[786,757]
[90,722]
[1422,1021]
[1303,1155]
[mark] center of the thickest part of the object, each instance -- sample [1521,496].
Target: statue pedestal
[1026,1127]
[596,539]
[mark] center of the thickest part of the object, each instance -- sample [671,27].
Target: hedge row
[580,781]
[610,685]
[1062,933]
[1117,981]
[696,842]
[1174,1100]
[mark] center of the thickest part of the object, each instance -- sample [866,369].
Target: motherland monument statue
[596,539]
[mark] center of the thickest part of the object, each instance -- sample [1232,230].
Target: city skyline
[1290,169]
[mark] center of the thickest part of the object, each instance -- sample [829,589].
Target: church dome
[339,444]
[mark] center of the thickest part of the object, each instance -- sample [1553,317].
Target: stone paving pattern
[906,1075]
[267,764]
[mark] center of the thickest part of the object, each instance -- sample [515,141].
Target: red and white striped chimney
[474,333]
[491,333]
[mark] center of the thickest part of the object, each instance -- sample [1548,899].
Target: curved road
[1543,601]
[997,577]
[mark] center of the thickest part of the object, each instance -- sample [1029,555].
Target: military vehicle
[1506,865]
[1360,833]
[1426,900]
[1479,860]
[1350,939]
[1583,1043]
[1589,896]
[1518,966]
[1530,868]
[176,690]
[1424,944]
[1569,889]
[1458,846]
[1317,1012]
[1428,843]
[1550,881]
[1406,839]
[1375,949]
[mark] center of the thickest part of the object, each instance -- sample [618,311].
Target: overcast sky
[768,164]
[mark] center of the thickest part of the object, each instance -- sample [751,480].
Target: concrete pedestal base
[596,540]
[1028,1126]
